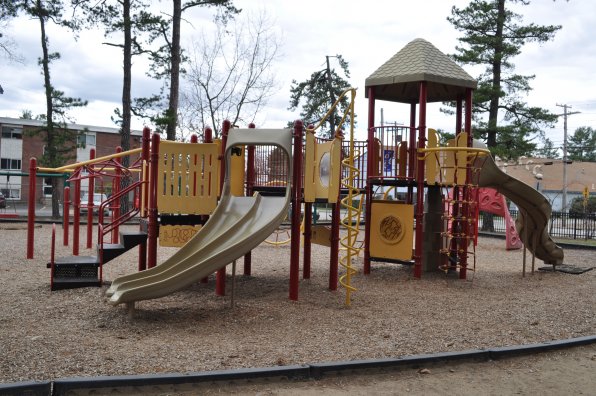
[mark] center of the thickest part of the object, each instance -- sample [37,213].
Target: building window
[86,139]
[11,193]
[47,186]
[10,164]
[12,132]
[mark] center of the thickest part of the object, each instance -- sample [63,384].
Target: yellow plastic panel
[335,174]
[431,162]
[402,159]
[187,180]
[392,230]
[310,191]
[322,159]
[237,171]
[176,235]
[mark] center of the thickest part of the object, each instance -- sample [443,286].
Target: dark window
[10,164]
[12,133]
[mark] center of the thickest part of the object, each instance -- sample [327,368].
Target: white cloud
[365,33]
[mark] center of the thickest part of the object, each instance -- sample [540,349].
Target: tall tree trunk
[175,71]
[493,113]
[126,97]
[50,146]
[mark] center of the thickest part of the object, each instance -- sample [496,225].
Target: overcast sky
[365,33]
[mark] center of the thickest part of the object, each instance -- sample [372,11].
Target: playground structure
[430,221]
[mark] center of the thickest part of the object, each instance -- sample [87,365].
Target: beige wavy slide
[534,210]
[238,225]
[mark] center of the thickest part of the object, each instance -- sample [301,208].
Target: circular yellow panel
[391,229]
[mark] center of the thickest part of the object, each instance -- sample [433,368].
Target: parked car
[97,200]
[2,201]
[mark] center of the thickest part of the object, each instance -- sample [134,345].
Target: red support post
[145,155]
[116,189]
[250,175]
[307,240]
[420,184]
[76,221]
[31,208]
[66,215]
[411,153]
[458,115]
[334,251]
[369,172]
[220,284]
[207,138]
[466,210]
[296,199]
[90,194]
[152,223]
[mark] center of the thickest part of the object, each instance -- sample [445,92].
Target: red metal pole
[307,236]
[220,284]
[76,221]
[208,135]
[152,223]
[296,199]
[52,256]
[31,208]
[458,115]
[369,172]
[334,251]
[207,138]
[411,153]
[250,170]
[66,215]
[90,193]
[466,207]
[145,155]
[420,184]
[307,240]
[115,189]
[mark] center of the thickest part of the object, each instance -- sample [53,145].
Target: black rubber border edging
[313,371]
[29,388]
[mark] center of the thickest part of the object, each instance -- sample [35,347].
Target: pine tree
[60,142]
[581,145]
[493,36]
[318,93]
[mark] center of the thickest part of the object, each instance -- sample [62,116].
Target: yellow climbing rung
[188,175]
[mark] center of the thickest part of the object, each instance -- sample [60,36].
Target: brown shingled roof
[397,79]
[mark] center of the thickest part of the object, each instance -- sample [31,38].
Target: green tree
[60,142]
[578,208]
[167,59]
[581,145]
[317,94]
[548,150]
[132,24]
[493,36]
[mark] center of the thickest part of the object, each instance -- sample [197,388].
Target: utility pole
[565,115]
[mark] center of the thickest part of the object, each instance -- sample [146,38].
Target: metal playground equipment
[218,200]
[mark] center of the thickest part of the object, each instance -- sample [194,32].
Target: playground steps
[83,271]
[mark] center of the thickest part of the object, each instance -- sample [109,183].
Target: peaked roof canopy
[397,79]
